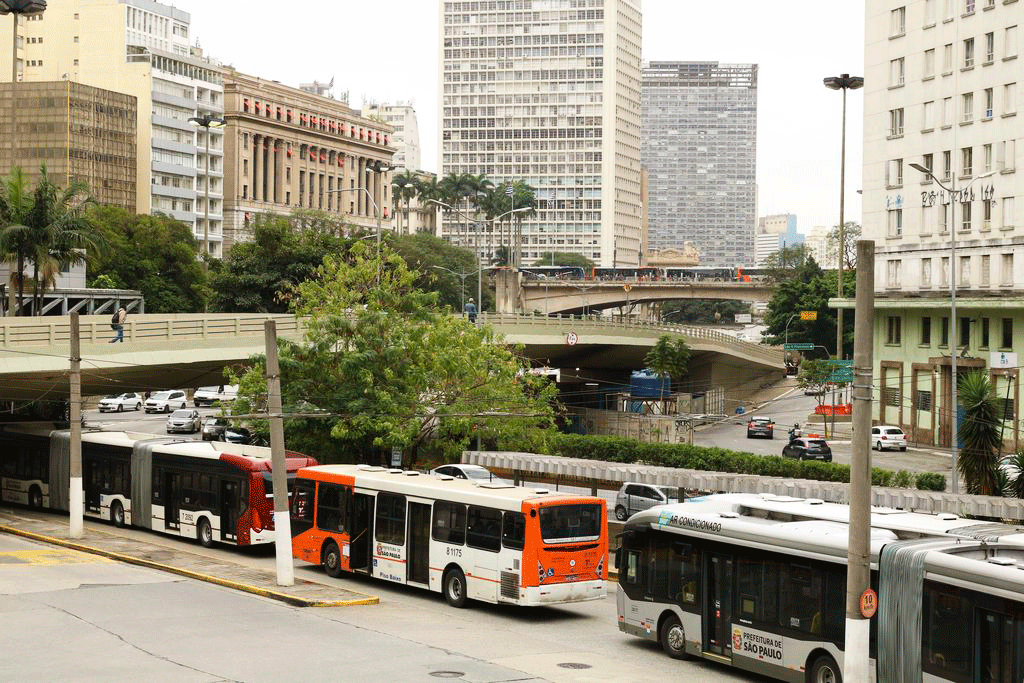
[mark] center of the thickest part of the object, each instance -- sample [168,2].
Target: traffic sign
[571,339]
[798,346]
[808,315]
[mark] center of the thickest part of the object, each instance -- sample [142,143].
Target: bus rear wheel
[825,670]
[331,560]
[673,638]
[455,587]
[204,532]
[117,513]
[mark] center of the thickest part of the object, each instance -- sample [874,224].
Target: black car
[808,449]
[760,426]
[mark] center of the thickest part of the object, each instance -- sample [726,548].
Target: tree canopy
[388,370]
[669,358]
[562,258]
[809,289]
[153,254]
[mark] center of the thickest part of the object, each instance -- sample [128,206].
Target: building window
[947,112]
[1007,220]
[894,176]
[965,332]
[987,155]
[895,122]
[968,6]
[893,329]
[986,269]
[898,22]
[945,272]
[947,164]
[967,114]
[928,161]
[944,332]
[1010,43]
[897,72]
[1007,155]
[947,59]
[990,47]
[929,63]
[1006,275]
[989,102]
[966,161]
[1007,341]
[963,275]
[1010,98]
[943,219]
[926,331]
[968,53]
[986,218]
[893,269]
[926,272]
[929,13]
[895,218]
[984,333]
[928,116]
[924,400]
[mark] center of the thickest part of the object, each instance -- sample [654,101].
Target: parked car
[807,449]
[213,428]
[760,426]
[119,402]
[467,471]
[233,434]
[185,420]
[207,396]
[634,497]
[166,401]
[888,438]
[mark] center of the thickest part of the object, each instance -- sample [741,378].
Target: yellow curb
[255,590]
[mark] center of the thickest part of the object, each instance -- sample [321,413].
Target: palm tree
[15,237]
[979,432]
[60,232]
[404,187]
[427,190]
[669,358]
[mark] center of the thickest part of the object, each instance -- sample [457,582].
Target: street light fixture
[207,121]
[954,196]
[843,82]
[461,276]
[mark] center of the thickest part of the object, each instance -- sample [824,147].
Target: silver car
[634,497]
[186,420]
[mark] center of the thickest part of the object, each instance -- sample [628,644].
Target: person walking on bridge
[470,310]
[117,324]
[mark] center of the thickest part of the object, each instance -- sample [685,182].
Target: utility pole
[860,604]
[279,473]
[76,497]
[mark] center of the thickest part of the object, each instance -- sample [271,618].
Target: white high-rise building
[401,116]
[942,90]
[141,48]
[547,92]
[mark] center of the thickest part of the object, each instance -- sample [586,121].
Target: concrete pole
[12,296]
[76,497]
[282,522]
[842,231]
[206,204]
[858,578]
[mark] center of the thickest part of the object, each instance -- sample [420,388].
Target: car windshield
[671,492]
[213,389]
[160,395]
[111,398]
[182,413]
[570,523]
[477,473]
[215,421]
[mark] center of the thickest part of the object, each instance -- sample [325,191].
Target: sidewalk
[53,528]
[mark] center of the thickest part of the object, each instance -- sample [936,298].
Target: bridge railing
[767,354]
[45,331]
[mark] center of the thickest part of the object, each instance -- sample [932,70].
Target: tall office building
[401,117]
[700,152]
[775,233]
[547,92]
[140,48]
[942,92]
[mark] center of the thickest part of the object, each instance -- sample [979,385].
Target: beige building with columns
[287,149]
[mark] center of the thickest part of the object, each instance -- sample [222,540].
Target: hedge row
[685,456]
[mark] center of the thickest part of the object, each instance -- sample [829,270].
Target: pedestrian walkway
[53,528]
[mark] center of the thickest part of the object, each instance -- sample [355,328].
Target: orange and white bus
[488,541]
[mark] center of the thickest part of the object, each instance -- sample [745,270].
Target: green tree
[389,370]
[15,235]
[669,358]
[851,234]
[786,262]
[702,311]
[435,261]
[814,378]
[979,433]
[562,258]
[405,187]
[153,254]
[809,289]
[257,274]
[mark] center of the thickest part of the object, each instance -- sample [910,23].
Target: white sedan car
[186,420]
[888,438]
[120,402]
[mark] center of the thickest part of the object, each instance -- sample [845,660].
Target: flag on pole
[509,190]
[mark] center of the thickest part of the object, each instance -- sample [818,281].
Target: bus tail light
[600,568]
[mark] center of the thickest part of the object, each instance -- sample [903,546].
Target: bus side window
[484,529]
[449,522]
[800,598]
[633,566]
[329,513]
[513,532]
[302,500]
[390,524]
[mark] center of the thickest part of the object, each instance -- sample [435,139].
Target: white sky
[387,51]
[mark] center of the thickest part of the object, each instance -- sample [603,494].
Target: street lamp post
[954,196]
[843,82]
[207,121]
[461,276]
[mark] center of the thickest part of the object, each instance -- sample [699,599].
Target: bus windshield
[268,483]
[570,523]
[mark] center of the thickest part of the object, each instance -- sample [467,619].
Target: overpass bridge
[553,295]
[188,350]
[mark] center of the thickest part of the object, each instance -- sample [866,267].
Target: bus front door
[229,505]
[172,506]
[418,567]
[361,545]
[718,610]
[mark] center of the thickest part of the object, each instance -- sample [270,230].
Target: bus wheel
[117,513]
[825,670]
[620,513]
[673,638]
[331,560]
[35,497]
[455,587]
[204,532]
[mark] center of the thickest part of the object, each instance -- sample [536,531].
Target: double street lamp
[462,277]
[954,197]
[842,82]
[207,121]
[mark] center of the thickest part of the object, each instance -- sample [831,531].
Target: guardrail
[597,474]
[47,331]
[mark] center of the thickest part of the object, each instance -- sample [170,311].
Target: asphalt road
[118,622]
[139,421]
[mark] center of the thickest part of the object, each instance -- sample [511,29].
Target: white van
[207,396]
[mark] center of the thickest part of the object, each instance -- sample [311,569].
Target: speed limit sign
[571,339]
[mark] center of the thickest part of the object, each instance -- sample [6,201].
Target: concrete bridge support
[508,291]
